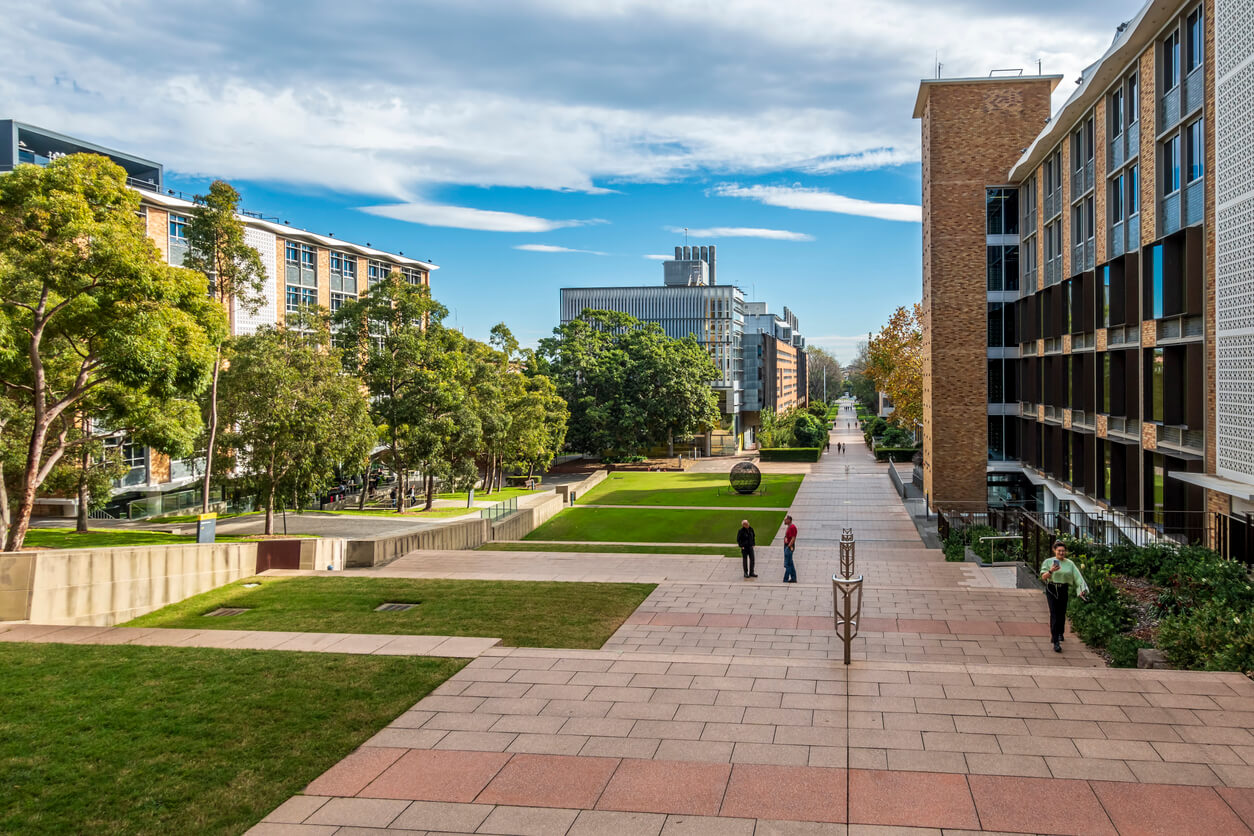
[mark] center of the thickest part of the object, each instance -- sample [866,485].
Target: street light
[847,604]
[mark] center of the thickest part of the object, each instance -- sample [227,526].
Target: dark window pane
[995,268]
[1010,260]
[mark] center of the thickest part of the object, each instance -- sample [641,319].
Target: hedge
[790,454]
[897,454]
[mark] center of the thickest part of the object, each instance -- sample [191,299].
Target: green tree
[91,315]
[820,361]
[539,429]
[416,374]
[628,386]
[216,248]
[290,414]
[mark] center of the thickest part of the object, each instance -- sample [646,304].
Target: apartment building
[302,268]
[1088,283]
[775,362]
[690,302]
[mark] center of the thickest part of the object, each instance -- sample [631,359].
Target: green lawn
[709,490]
[520,613]
[610,548]
[188,518]
[420,515]
[98,538]
[496,496]
[656,525]
[142,740]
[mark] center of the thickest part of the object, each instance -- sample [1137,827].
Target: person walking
[745,538]
[1060,574]
[790,546]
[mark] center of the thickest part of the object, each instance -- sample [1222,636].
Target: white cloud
[743,232]
[842,348]
[607,92]
[816,200]
[464,217]
[658,257]
[551,248]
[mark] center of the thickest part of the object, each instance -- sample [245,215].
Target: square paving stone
[1039,805]
[443,816]
[351,775]
[910,799]
[363,812]
[1168,810]
[437,775]
[797,793]
[666,787]
[549,781]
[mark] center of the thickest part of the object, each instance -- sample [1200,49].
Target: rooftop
[926,85]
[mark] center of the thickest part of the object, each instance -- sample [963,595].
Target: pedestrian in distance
[746,539]
[1060,574]
[790,546]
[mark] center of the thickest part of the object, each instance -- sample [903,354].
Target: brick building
[1087,283]
[302,268]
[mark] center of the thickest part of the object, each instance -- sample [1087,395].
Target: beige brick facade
[1149,152]
[157,227]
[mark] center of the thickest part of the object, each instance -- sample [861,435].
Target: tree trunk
[84,461]
[4,505]
[365,488]
[430,492]
[213,431]
[270,510]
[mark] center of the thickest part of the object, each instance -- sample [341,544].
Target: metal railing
[164,503]
[499,510]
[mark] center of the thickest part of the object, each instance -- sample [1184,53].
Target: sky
[529,145]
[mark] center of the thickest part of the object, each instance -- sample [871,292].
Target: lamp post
[847,600]
[847,558]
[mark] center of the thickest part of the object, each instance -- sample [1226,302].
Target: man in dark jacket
[745,539]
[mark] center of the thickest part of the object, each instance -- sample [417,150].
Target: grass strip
[98,538]
[610,548]
[708,490]
[520,613]
[656,525]
[141,740]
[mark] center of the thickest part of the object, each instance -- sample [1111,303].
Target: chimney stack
[679,253]
[711,263]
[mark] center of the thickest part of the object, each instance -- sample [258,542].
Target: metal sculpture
[847,606]
[745,478]
[846,553]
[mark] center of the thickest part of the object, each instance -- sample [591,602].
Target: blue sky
[460,132]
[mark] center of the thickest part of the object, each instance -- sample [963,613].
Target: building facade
[690,302]
[301,268]
[1116,340]
[775,363]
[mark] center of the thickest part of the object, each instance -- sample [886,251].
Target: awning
[1214,482]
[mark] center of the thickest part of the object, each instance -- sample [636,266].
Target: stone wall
[526,520]
[376,551]
[103,587]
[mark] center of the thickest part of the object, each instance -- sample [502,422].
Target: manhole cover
[394,607]
[227,611]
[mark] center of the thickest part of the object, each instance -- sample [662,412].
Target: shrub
[895,436]
[1123,650]
[1107,612]
[894,454]
[790,454]
[1214,637]
[808,431]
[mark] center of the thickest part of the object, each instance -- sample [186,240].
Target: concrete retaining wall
[526,520]
[375,551]
[103,587]
[580,488]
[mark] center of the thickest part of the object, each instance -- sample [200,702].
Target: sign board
[206,527]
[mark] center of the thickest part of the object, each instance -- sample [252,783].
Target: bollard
[847,561]
[847,608]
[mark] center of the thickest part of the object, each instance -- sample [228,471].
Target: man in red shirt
[790,544]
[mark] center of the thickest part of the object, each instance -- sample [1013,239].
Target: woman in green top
[1060,574]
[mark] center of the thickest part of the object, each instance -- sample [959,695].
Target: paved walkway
[719,708]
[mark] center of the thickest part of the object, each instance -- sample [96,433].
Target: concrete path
[720,708]
[354,643]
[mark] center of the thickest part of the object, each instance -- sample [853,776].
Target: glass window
[996,382]
[178,227]
[1156,281]
[1134,190]
[1066,309]
[996,337]
[1010,258]
[993,207]
[1193,35]
[1171,61]
[1106,470]
[1088,140]
[1134,102]
[1105,405]
[1171,165]
[1105,321]
[1116,199]
[1196,151]
[1158,488]
[996,438]
[1089,218]
[1157,393]
[995,268]
[1116,114]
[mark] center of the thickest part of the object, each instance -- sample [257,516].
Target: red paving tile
[792,793]
[1039,805]
[679,787]
[814,622]
[350,775]
[921,625]
[718,619]
[777,622]
[1240,799]
[974,628]
[877,625]
[640,617]
[1160,809]
[550,781]
[910,799]
[1023,628]
[437,775]
[676,619]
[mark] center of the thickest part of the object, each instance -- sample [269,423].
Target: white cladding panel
[1234,238]
[247,322]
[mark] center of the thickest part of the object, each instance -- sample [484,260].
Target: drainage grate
[394,607]
[227,611]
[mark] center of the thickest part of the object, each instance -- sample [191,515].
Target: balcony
[1123,336]
[1180,329]
[1125,427]
[1080,418]
[1178,438]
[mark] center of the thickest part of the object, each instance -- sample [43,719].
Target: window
[413,275]
[1133,105]
[300,267]
[1193,40]
[1089,222]
[1002,211]
[178,239]
[1157,500]
[995,268]
[1106,471]
[1088,140]
[996,438]
[343,279]
[1116,114]
[1157,393]
[1117,187]
[1156,281]
[1105,297]
[1105,405]
[1195,151]
[1171,165]
[996,383]
[1011,259]
[1171,61]
[1066,321]
[1133,178]
[996,335]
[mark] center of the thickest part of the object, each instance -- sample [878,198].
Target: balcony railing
[1192,441]
[1127,427]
